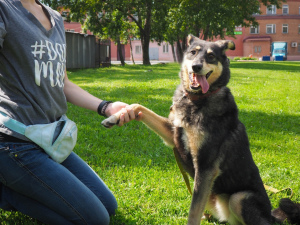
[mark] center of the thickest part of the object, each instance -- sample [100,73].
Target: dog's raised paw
[110,121]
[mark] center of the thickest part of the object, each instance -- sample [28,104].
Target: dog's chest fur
[192,137]
[193,134]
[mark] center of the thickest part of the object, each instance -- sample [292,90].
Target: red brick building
[275,25]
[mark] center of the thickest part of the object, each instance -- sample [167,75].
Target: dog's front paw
[110,121]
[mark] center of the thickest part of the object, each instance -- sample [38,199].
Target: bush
[248,58]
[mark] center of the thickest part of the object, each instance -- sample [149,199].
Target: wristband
[102,107]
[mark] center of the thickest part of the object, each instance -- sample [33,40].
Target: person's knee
[110,203]
[112,207]
[96,217]
[100,219]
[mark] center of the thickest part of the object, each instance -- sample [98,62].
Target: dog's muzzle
[199,81]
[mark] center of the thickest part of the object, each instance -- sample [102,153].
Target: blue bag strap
[12,124]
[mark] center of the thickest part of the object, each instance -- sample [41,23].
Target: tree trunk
[184,43]
[206,32]
[145,34]
[131,51]
[145,47]
[173,52]
[179,51]
[119,47]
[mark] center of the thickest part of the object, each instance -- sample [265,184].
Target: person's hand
[127,114]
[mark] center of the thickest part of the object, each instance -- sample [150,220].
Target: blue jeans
[53,193]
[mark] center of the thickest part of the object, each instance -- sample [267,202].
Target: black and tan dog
[211,143]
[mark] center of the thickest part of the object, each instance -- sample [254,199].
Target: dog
[211,144]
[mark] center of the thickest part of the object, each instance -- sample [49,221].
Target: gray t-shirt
[32,66]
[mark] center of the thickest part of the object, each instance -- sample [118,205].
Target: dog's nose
[197,67]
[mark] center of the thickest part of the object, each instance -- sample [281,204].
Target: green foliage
[141,170]
[244,58]
[166,20]
[248,58]
[210,18]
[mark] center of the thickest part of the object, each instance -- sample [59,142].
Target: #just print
[50,61]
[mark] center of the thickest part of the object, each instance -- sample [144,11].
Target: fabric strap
[12,124]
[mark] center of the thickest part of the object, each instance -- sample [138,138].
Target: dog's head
[205,66]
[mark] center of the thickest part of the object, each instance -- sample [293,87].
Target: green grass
[141,170]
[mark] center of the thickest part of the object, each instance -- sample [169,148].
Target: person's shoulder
[7,2]
[7,6]
[53,12]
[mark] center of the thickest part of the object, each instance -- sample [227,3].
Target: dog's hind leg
[249,209]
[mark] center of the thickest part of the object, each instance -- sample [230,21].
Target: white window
[285,9]
[165,48]
[138,49]
[285,28]
[257,49]
[271,9]
[254,30]
[271,28]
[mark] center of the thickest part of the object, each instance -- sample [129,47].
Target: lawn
[141,170]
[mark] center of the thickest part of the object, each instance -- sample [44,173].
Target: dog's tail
[288,211]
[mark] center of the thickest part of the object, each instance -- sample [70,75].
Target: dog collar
[196,97]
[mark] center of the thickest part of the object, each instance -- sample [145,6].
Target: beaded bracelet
[102,107]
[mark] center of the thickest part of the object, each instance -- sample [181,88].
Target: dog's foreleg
[203,183]
[160,125]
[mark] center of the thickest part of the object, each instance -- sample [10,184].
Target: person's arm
[82,98]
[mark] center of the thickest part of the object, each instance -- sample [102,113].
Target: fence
[103,53]
[85,51]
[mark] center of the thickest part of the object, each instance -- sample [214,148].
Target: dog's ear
[226,45]
[190,39]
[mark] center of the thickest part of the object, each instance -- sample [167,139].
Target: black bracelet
[102,107]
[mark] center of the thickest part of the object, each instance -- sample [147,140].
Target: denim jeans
[53,193]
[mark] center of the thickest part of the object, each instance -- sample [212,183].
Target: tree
[116,17]
[210,18]
[148,15]
[163,19]
[106,25]
[103,19]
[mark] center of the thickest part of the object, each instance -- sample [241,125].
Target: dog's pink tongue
[203,82]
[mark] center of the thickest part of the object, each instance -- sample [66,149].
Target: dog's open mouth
[200,81]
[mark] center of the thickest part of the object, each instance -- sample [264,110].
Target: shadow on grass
[134,145]
[288,66]
[145,143]
[134,148]
[16,218]
[128,73]
[271,123]
[120,219]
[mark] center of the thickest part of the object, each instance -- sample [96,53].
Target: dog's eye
[211,56]
[193,52]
